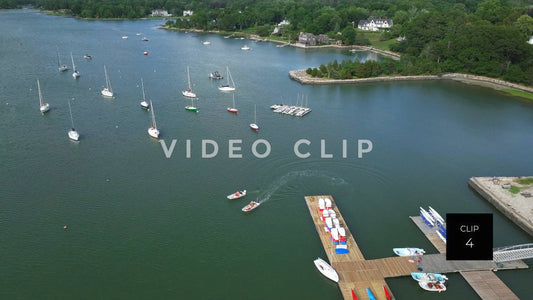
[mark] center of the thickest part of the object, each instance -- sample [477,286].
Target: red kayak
[354,297]
[387,295]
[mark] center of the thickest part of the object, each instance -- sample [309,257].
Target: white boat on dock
[429,277]
[326,269]
[408,251]
[432,286]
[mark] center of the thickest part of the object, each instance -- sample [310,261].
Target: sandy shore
[304,78]
[517,207]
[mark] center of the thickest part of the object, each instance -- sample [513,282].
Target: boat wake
[283,180]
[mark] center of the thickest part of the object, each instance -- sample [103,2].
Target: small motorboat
[408,251]
[253,205]
[245,47]
[370,295]
[326,269]
[237,195]
[207,43]
[124,36]
[144,39]
[215,75]
[432,286]
[87,57]
[429,277]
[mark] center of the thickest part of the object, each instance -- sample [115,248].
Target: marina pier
[357,273]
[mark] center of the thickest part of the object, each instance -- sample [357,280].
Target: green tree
[348,35]
[525,24]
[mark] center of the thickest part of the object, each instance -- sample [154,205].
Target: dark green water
[147,227]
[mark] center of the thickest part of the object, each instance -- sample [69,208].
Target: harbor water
[115,217]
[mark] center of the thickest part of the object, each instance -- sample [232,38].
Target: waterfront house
[307,39]
[374,24]
[160,13]
[281,24]
[187,13]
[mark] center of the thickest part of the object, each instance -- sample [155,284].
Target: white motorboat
[432,286]
[253,205]
[144,103]
[72,134]
[408,251]
[428,219]
[245,47]
[429,277]
[227,87]
[326,269]
[108,90]
[153,131]
[206,43]
[188,92]
[43,106]
[237,195]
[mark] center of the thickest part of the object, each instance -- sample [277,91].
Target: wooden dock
[357,273]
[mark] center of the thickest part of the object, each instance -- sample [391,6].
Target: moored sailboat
[108,90]
[72,133]
[188,92]
[43,106]
[191,107]
[233,109]
[153,131]
[60,66]
[75,72]
[254,125]
[144,103]
[227,87]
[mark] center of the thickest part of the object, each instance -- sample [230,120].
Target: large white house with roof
[374,24]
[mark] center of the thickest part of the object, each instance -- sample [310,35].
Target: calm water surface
[144,226]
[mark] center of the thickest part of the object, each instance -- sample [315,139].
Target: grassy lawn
[525,181]
[514,189]
[518,93]
[375,42]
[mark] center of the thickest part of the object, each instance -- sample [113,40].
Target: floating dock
[357,273]
[291,110]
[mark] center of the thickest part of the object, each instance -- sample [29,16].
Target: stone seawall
[517,208]
[304,78]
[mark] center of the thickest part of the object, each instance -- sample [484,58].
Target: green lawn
[525,181]
[518,93]
[514,189]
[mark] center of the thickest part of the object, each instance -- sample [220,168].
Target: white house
[160,13]
[373,24]
[187,13]
[278,27]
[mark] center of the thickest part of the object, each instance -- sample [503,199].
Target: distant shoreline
[304,78]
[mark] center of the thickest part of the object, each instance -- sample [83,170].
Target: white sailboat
[72,134]
[254,124]
[43,107]
[326,269]
[108,90]
[188,92]
[153,131]
[233,109]
[227,87]
[60,67]
[144,104]
[75,72]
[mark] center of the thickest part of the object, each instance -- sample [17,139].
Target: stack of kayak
[336,232]
[434,220]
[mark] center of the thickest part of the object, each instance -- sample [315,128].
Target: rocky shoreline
[517,207]
[304,78]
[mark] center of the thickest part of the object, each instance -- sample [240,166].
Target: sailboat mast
[40,95]
[189,78]
[142,85]
[73,65]
[255,113]
[70,110]
[153,115]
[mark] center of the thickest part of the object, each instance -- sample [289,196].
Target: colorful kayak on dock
[387,294]
[354,296]
[370,295]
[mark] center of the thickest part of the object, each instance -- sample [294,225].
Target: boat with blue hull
[428,219]
[429,277]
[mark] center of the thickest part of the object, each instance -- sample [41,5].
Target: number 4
[469,243]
